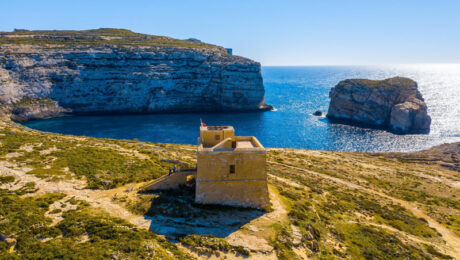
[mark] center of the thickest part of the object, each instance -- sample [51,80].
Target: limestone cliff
[394,104]
[35,108]
[118,71]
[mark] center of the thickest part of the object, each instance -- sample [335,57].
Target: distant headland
[48,73]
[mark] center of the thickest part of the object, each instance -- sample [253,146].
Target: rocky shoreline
[36,108]
[393,104]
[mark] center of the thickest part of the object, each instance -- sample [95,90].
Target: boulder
[394,104]
[318,113]
[31,108]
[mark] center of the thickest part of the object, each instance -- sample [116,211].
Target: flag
[202,124]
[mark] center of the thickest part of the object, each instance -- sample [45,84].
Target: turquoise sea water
[295,92]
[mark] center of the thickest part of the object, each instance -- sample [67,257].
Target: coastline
[66,112]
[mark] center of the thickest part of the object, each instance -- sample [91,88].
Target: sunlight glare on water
[295,92]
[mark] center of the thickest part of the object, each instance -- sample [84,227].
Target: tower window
[232,169]
[217,137]
[233,144]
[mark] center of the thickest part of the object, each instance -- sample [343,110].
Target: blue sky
[271,32]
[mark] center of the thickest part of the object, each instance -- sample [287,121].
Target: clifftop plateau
[119,71]
[95,37]
[78,197]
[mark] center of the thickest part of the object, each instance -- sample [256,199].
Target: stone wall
[246,187]
[167,182]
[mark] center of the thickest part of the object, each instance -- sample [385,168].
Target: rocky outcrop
[446,155]
[394,104]
[317,113]
[90,71]
[36,108]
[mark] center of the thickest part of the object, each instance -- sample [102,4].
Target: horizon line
[357,65]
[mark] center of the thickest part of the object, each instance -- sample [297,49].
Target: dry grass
[325,204]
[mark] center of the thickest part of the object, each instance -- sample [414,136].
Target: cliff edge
[394,104]
[119,71]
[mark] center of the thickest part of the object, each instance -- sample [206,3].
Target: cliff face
[144,76]
[394,104]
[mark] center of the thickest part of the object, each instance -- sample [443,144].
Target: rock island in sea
[120,71]
[394,104]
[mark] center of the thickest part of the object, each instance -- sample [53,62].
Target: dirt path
[452,241]
[255,236]
[286,181]
[227,255]
[439,178]
[401,233]
[74,188]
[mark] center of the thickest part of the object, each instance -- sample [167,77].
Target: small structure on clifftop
[394,104]
[230,170]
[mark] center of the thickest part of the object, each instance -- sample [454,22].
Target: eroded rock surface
[36,108]
[394,104]
[141,76]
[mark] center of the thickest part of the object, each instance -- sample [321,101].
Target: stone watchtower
[230,169]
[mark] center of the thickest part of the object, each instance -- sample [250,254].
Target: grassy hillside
[81,193]
[94,37]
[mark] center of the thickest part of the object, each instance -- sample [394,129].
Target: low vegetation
[33,101]
[6,179]
[343,222]
[336,205]
[96,37]
[387,84]
[84,233]
[103,164]
[209,244]
[106,168]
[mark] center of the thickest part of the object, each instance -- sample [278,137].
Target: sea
[295,93]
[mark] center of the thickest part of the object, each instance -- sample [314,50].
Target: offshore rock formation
[394,104]
[118,71]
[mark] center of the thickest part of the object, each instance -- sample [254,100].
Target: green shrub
[434,252]
[6,179]
[106,168]
[282,243]
[23,219]
[29,187]
[364,242]
[33,101]
[55,211]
